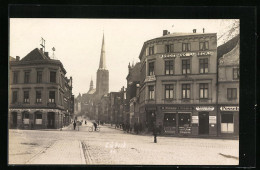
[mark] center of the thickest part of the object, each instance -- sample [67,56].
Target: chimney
[17,58]
[46,54]
[194,30]
[203,30]
[165,32]
[41,49]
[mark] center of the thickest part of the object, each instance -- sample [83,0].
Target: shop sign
[204,53]
[184,130]
[212,119]
[205,108]
[229,108]
[178,55]
[150,78]
[169,108]
[195,119]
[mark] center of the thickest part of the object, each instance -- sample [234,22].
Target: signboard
[184,130]
[195,119]
[150,78]
[204,53]
[229,108]
[205,108]
[170,130]
[178,55]
[169,108]
[212,119]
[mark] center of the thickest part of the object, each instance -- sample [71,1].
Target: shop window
[26,118]
[151,50]
[204,45]
[204,66]
[186,91]
[26,77]
[39,76]
[38,96]
[151,92]
[53,77]
[51,96]
[186,66]
[169,120]
[227,124]
[235,73]
[186,47]
[203,90]
[184,120]
[151,68]
[15,97]
[231,93]
[15,77]
[38,118]
[26,96]
[169,91]
[169,67]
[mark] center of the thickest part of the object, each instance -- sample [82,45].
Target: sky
[78,42]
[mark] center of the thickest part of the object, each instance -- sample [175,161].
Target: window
[203,91]
[38,96]
[227,124]
[186,91]
[204,45]
[39,76]
[169,91]
[53,77]
[186,66]
[169,67]
[235,73]
[52,96]
[204,65]
[26,96]
[186,47]
[169,48]
[184,120]
[151,92]
[15,96]
[38,118]
[25,118]
[15,78]
[231,93]
[151,68]
[26,77]
[151,50]
[169,120]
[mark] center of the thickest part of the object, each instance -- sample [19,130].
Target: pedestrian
[95,125]
[85,122]
[155,134]
[74,124]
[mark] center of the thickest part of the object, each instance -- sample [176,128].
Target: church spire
[102,62]
[91,84]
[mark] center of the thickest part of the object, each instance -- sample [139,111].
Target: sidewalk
[61,152]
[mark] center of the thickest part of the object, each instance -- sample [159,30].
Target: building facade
[178,83]
[228,88]
[40,95]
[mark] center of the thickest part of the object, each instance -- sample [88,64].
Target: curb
[82,156]
[87,157]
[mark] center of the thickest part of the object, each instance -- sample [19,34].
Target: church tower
[102,86]
[91,84]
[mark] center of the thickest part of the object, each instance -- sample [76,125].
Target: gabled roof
[228,46]
[35,54]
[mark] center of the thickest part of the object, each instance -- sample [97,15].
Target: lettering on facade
[150,78]
[229,108]
[195,119]
[204,53]
[188,54]
[212,119]
[175,108]
[204,108]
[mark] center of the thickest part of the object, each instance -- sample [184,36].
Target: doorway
[204,123]
[14,119]
[51,120]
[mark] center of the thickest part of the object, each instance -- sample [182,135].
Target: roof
[35,54]
[91,91]
[228,46]
[11,58]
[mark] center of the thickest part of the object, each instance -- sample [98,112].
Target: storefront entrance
[203,122]
[51,120]
[14,119]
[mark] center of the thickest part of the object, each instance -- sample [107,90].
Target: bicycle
[91,129]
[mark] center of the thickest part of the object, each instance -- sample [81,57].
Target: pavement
[115,147]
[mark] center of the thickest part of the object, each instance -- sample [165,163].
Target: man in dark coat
[74,124]
[155,131]
[95,125]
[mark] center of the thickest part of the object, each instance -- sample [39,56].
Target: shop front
[229,120]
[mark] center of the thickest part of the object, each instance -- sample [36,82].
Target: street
[113,146]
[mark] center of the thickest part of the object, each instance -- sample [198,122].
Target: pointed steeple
[91,84]
[102,62]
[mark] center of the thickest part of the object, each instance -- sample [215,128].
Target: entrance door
[50,118]
[204,123]
[14,115]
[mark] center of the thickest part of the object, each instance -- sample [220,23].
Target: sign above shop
[204,108]
[150,78]
[204,53]
[178,55]
[176,108]
[229,108]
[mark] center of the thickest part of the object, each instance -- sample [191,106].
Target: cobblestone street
[110,146]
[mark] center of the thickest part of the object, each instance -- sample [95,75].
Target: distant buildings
[40,95]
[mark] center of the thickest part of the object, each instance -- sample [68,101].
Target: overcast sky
[78,42]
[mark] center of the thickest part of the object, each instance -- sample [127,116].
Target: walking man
[74,124]
[95,125]
[155,134]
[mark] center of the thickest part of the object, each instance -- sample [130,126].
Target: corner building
[178,83]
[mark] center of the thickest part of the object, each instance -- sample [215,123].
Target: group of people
[80,123]
[128,128]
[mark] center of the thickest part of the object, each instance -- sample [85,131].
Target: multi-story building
[228,88]
[178,83]
[39,93]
